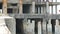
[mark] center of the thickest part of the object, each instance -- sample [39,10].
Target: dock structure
[32,12]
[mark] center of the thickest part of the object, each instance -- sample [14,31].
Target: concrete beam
[35,16]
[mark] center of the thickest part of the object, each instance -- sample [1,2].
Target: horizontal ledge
[22,16]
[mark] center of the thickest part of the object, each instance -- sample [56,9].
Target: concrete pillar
[47,7]
[33,27]
[25,25]
[33,7]
[44,26]
[57,27]
[20,6]
[56,7]
[49,27]
[52,7]
[42,11]
[39,27]
[4,7]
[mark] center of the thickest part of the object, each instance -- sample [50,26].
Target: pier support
[4,7]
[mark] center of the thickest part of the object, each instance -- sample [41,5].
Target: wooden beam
[4,7]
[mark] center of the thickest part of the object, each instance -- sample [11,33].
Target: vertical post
[44,27]
[47,7]
[38,10]
[5,7]
[49,27]
[33,7]
[52,8]
[42,10]
[20,6]
[57,27]
[56,8]
[25,26]
[39,27]
[33,24]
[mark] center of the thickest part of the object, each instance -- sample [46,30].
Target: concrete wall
[11,24]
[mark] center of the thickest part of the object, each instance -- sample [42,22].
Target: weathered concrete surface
[3,27]
[11,24]
[7,25]
[29,27]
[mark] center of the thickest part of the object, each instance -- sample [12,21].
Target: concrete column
[57,27]
[39,27]
[52,8]
[33,7]
[25,26]
[47,7]
[56,7]
[44,26]
[20,6]
[33,27]
[42,11]
[4,7]
[49,27]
